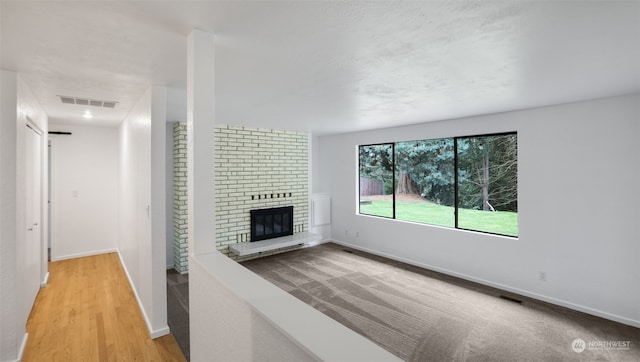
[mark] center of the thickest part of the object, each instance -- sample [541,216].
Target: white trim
[82,255]
[23,345]
[160,332]
[544,298]
[45,281]
[153,333]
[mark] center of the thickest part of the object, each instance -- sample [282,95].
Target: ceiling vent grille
[68,100]
[88,102]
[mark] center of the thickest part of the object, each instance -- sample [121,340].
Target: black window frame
[393,179]
[456,180]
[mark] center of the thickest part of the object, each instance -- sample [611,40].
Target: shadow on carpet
[420,315]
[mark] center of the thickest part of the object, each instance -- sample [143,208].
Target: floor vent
[510,299]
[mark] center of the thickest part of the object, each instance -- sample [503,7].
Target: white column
[200,142]
[158,270]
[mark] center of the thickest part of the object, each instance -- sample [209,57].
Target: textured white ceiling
[327,67]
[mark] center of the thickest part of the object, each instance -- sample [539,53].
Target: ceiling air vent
[88,102]
[68,100]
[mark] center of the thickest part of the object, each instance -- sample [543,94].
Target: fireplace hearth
[271,223]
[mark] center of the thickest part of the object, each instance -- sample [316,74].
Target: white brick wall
[257,169]
[180,244]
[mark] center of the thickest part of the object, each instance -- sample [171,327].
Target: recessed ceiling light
[87,114]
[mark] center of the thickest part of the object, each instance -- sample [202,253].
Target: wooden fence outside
[369,186]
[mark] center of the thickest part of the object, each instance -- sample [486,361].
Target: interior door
[33,247]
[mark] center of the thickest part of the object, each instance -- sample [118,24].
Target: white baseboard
[45,281]
[23,345]
[544,298]
[153,333]
[160,332]
[80,255]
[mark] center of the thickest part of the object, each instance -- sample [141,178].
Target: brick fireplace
[258,169]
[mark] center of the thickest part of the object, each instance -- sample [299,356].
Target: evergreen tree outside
[425,174]
[428,165]
[488,173]
[376,165]
[487,178]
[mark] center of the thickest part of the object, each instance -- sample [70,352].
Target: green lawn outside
[499,222]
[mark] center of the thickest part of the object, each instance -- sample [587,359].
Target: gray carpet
[178,309]
[420,315]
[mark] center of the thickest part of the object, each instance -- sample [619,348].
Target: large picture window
[467,183]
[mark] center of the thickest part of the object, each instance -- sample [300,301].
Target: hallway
[88,312]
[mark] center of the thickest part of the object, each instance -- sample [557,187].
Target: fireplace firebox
[271,223]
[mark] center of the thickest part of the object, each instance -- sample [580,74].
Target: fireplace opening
[271,223]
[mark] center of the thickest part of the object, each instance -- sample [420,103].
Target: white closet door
[37,202]
[33,217]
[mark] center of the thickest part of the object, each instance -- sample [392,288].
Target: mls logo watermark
[578,345]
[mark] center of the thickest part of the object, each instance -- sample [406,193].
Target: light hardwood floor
[88,312]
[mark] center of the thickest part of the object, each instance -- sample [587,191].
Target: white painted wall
[141,231]
[578,207]
[84,200]
[21,272]
[200,168]
[12,327]
[158,241]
